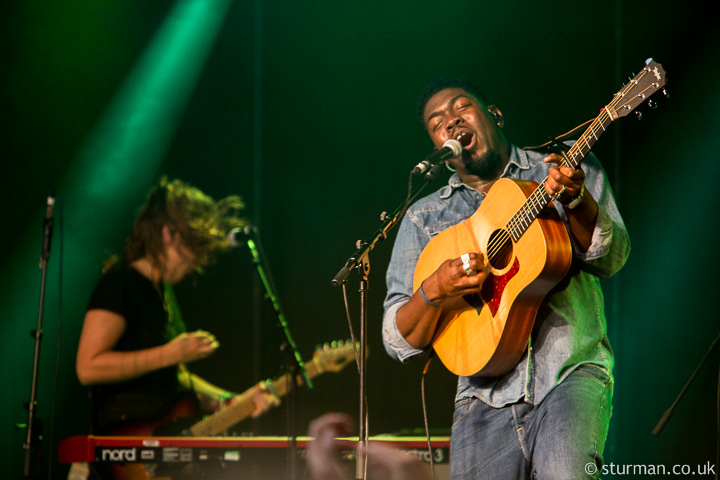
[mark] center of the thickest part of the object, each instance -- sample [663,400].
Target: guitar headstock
[334,356]
[644,85]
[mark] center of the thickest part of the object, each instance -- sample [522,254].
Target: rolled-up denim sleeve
[410,241]
[610,245]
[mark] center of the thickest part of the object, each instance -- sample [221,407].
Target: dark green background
[306,109]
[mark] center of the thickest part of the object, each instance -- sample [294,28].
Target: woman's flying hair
[202,223]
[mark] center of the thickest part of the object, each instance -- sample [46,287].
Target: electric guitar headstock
[334,356]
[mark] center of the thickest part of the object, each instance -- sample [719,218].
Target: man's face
[455,113]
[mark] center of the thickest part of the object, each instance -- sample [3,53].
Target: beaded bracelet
[427,300]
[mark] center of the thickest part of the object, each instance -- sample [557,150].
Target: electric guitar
[331,357]
[528,252]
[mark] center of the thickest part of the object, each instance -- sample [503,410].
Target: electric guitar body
[183,409]
[330,357]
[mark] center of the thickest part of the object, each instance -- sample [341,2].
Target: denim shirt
[570,327]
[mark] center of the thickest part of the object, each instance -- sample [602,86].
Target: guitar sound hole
[499,249]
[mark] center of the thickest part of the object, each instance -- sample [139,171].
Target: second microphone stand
[295,365]
[33,461]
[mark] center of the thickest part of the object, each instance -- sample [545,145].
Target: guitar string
[539,197]
[498,243]
[536,201]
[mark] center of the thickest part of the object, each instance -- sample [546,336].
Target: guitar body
[485,334]
[331,357]
[183,409]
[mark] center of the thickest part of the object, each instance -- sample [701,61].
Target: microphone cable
[425,417]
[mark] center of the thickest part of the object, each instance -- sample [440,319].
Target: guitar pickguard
[492,290]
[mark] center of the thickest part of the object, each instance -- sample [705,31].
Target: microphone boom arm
[388,223]
[256,251]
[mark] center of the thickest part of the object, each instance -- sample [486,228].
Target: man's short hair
[442,83]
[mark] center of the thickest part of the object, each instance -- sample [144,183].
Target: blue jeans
[561,438]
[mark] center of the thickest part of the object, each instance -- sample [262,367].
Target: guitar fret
[525,221]
[525,216]
[539,199]
[511,226]
[587,144]
[570,158]
[537,202]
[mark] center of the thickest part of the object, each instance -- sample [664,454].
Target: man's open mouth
[465,138]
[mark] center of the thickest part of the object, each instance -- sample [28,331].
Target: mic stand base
[291,409]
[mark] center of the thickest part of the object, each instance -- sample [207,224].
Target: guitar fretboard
[636,91]
[539,199]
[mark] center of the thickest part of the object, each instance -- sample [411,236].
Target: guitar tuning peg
[652,104]
[639,115]
[665,93]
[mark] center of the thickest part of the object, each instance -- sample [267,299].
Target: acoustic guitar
[527,249]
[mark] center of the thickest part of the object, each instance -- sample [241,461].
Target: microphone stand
[33,463]
[295,365]
[666,415]
[360,260]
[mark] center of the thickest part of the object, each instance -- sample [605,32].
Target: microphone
[237,235]
[50,206]
[47,229]
[451,149]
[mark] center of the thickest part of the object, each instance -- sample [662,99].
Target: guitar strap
[175,325]
[557,142]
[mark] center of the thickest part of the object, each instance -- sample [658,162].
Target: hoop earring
[496,117]
[450,168]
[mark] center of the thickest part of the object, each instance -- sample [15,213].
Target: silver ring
[562,190]
[465,257]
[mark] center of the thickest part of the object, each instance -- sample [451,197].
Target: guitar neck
[242,407]
[637,91]
[539,199]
